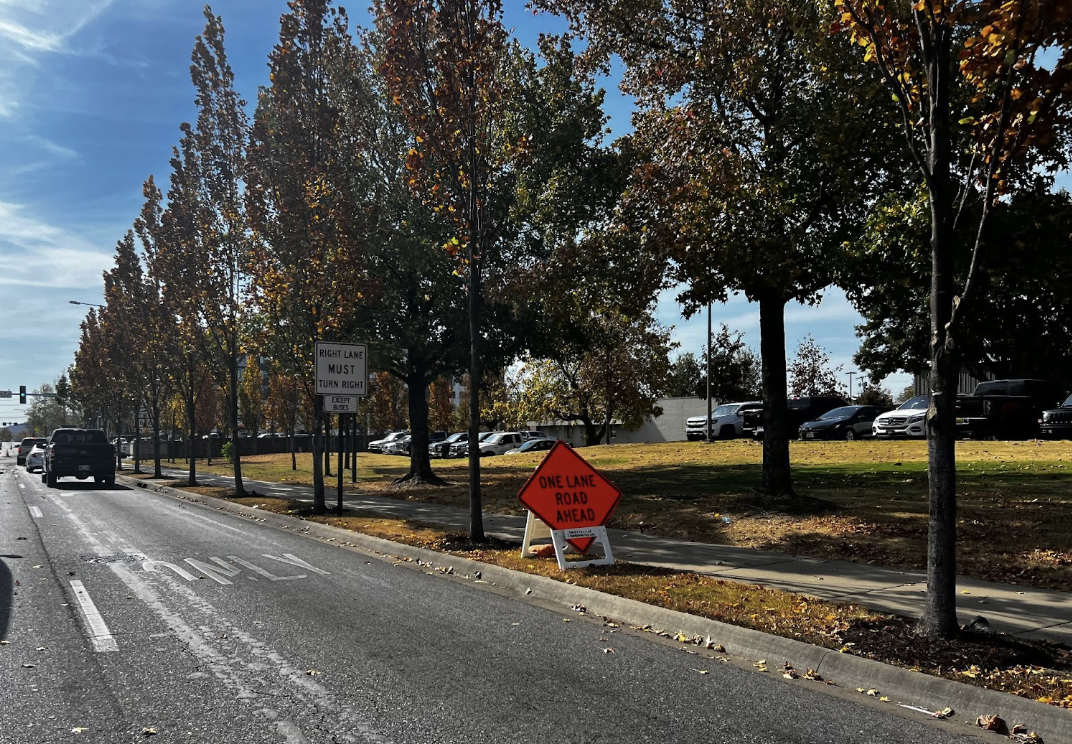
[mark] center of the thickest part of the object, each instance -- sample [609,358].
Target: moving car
[904,421]
[533,445]
[83,453]
[36,459]
[727,421]
[846,422]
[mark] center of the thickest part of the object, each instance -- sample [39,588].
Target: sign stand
[559,538]
[537,529]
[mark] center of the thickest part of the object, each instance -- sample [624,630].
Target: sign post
[342,378]
[574,501]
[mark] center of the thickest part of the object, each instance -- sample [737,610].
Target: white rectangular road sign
[341,403]
[340,369]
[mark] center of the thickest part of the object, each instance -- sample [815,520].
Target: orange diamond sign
[567,493]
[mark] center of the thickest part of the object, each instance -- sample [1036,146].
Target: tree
[686,378]
[619,375]
[908,392]
[284,406]
[251,397]
[306,261]
[1015,104]
[736,372]
[810,372]
[755,154]
[873,395]
[444,64]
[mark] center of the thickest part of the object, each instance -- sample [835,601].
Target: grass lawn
[1014,500]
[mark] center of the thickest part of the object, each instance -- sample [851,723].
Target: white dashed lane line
[99,635]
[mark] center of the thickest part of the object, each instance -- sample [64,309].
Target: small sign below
[341,403]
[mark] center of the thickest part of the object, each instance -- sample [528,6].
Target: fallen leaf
[872,692]
[149,731]
[700,671]
[609,650]
[312,672]
[78,729]
[992,723]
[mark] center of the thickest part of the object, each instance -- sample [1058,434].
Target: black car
[846,422]
[1057,422]
[441,448]
[804,408]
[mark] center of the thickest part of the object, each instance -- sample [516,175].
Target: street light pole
[91,304]
[850,385]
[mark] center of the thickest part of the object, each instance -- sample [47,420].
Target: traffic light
[22,395]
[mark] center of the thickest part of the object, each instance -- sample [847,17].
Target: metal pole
[342,450]
[850,386]
[708,371]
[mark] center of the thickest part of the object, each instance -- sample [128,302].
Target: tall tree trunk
[940,612]
[777,478]
[476,515]
[191,441]
[319,505]
[232,404]
[420,465]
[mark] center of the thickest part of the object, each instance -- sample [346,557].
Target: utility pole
[850,385]
[708,371]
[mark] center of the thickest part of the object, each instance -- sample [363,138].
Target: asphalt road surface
[129,616]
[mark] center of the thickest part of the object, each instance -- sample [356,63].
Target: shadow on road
[7,594]
[63,485]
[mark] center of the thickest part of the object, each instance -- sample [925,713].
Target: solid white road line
[35,512]
[99,635]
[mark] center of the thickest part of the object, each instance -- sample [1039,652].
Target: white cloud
[38,254]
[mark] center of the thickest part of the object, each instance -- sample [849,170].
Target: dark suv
[801,409]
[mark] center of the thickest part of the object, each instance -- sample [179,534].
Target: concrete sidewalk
[1021,611]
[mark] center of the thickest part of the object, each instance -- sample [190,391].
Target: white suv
[905,421]
[499,442]
[727,421]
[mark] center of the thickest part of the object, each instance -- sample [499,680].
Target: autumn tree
[283,407]
[251,397]
[445,66]
[735,368]
[306,263]
[754,150]
[1015,62]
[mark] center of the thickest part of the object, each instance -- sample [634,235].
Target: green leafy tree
[873,395]
[736,372]
[620,375]
[251,397]
[686,377]
[755,154]
[1016,102]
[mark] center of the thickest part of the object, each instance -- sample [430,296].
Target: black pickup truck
[1005,409]
[82,453]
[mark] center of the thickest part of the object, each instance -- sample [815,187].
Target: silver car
[36,459]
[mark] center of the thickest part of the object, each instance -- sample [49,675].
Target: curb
[849,672]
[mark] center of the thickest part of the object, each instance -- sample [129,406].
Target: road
[128,615]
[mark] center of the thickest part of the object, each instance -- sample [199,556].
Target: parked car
[442,449]
[461,449]
[532,434]
[399,446]
[846,422]
[36,459]
[377,445]
[805,408]
[499,442]
[1006,409]
[727,421]
[533,445]
[1057,422]
[907,420]
[24,448]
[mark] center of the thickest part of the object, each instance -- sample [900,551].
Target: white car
[727,421]
[500,442]
[380,445]
[905,421]
[36,459]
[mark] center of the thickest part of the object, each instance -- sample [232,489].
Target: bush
[228,451]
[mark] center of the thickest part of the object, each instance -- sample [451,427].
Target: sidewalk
[1020,611]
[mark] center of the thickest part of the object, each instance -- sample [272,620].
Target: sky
[92,93]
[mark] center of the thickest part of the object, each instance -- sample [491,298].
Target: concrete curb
[1053,724]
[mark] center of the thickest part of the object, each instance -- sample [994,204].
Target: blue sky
[92,93]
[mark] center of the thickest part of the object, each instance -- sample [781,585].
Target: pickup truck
[1005,409]
[82,453]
